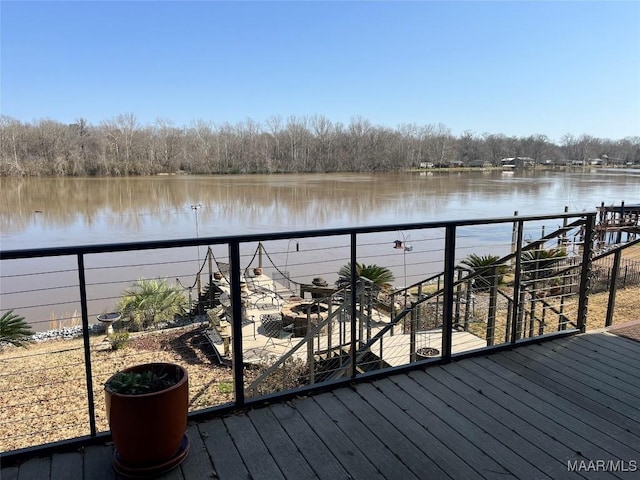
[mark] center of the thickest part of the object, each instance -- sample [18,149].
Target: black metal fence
[285,342]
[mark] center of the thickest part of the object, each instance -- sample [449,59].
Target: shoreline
[452,169]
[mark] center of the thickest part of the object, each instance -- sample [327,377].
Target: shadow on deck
[566,408]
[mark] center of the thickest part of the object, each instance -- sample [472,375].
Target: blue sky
[516,68]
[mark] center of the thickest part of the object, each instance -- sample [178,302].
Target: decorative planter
[148,430]
[258,271]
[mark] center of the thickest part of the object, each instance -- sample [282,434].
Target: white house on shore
[517,162]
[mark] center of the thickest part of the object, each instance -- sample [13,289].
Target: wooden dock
[567,408]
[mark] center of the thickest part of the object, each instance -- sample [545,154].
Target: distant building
[517,162]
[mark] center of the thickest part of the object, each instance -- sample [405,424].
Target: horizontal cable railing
[262,316]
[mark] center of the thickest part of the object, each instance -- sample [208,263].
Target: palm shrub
[380,276]
[151,301]
[486,267]
[14,330]
[541,263]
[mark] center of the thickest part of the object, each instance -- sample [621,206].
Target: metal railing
[448,309]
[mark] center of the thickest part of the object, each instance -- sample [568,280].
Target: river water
[46,212]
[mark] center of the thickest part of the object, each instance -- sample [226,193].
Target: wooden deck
[529,413]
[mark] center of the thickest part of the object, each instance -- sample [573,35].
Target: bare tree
[121,146]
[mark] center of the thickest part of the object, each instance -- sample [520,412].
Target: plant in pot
[147,408]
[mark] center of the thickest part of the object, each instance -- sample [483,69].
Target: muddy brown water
[46,212]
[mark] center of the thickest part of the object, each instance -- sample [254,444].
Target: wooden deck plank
[174,474]
[66,465]
[197,464]
[9,473]
[399,414]
[324,464]
[594,436]
[607,345]
[227,462]
[521,402]
[525,394]
[481,439]
[403,447]
[583,380]
[524,438]
[252,449]
[97,463]
[35,469]
[341,446]
[597,371]
[512,383]
[285,453]
[384,460]
[563,385]
[452,451]
[611,359]
[616,343]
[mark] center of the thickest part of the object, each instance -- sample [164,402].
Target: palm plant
[14,330]
[540,263]
[150,301]
[486,267]
[380,276]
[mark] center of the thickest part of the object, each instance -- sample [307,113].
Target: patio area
[565,408]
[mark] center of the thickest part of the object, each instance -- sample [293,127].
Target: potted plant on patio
[147,408]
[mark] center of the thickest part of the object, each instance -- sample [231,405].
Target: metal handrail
[250,238]
[234,243]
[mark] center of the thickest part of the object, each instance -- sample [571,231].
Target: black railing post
[457,300]
[447,307]
[516,312]
[87,345]
[393,313]
[585,274]
[613,287]
[493,303]
[236,323]
[354,298]
[412,334]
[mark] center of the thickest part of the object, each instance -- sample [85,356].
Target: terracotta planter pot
[148,429]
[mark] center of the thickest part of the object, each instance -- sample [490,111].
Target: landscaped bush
[151,301]
[118,340]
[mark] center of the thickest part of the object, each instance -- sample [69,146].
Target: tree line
[123,146]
